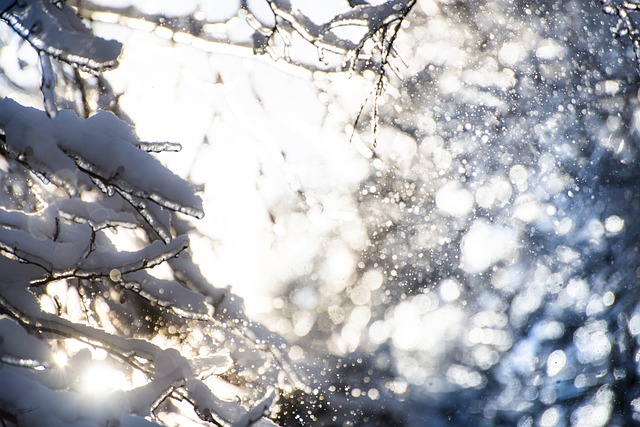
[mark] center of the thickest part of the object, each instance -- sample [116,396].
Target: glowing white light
[527,210]
[463,376]
[494,193]
[549,49]
[592,415]
[61,358]
[100,379]
[449,84]
[592,342]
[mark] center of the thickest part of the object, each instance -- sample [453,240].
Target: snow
[485,244]
[98,215]
[262,12]
[167,294]
[54,151]
[37,405]
[21,349]
[57,30]
[454,200]
[24,236]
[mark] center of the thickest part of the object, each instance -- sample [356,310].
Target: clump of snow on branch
[54,28]
[101,150]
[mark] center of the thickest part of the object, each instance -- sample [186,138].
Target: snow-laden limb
[106,213]
[169,294]
[257,412]
[274,27]
[362,15]
[70,151]
[45,224]
[210,408]
[29,378]
[29,403]
[54,28]
[19,348]
[103,259]
[157,218]
[170,374]
[69,249]
[188,273]
[42,239]
[373,18]
[228,310]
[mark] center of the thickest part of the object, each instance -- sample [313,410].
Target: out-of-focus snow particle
[429,7]
[550,417]
[556,362]
[511,53]
[549,49]
[454,200]
[484,245]
[450,84]
[494,193]
[608,298]
[449,290]
[527,210]
[519,175]
[614,224]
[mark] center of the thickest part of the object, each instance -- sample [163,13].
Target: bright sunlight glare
[61,358]
[100,379]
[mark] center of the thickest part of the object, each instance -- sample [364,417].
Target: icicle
[162,201]
[158,147]
[97,215]
[24,363]
[48,86]
[162,228]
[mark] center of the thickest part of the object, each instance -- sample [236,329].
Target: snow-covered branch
[274,27]
[54,28]
[73,153]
